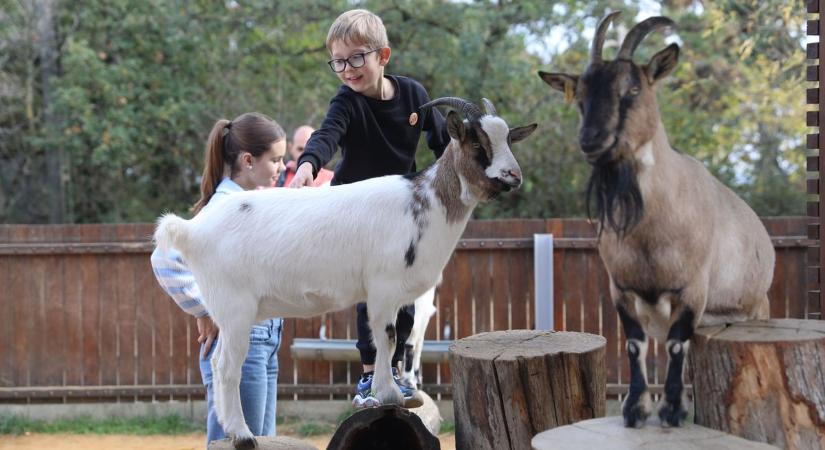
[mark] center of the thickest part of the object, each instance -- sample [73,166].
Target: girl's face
[262,171]
[366,79]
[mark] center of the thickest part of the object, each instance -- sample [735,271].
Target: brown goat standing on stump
[680,248]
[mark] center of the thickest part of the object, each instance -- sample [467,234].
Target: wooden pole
[510,385]
[762,380]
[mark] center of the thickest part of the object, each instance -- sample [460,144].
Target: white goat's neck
[451,189]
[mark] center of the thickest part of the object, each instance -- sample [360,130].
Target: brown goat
[680,248]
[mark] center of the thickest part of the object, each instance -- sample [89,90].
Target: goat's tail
[172,231]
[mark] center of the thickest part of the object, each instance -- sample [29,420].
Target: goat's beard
[614,188]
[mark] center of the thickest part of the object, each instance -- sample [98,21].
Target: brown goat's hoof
[672,414]
[244,443]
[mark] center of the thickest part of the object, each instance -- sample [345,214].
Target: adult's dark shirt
[375,136]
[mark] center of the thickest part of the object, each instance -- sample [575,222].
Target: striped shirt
[174,276]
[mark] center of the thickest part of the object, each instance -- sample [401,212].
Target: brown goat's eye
[634,90]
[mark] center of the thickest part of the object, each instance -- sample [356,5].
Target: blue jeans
[259,382]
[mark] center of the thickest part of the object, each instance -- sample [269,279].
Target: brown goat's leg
[637,404]
[673,407]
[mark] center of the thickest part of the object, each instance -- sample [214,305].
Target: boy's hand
[303,176]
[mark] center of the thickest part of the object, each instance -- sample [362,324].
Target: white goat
[385,240]
[681,249]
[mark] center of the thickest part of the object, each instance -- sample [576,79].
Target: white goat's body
[369,248]
[424,310]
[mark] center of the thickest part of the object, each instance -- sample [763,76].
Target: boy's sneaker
[406,391]
[363,393]
[364,397]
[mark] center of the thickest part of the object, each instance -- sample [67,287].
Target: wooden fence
[82,318]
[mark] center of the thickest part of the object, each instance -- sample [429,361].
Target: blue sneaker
[363,393]
[406,391]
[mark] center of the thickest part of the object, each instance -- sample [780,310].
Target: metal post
[543,275]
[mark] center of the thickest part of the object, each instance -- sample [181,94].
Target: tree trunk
[53,157]
[510,385]
[762,380]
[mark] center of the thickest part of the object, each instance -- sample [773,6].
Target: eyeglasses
[355,61]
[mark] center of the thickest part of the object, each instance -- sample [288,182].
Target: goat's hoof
[635,415]
[247,443]
[672,414]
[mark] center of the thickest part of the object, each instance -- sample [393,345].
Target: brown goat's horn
[488,107]
[598,38]
[469,110]
[638,32]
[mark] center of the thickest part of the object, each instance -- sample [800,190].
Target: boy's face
[366,79]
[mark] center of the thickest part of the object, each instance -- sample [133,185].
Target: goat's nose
[591,137]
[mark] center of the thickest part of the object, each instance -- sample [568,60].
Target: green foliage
[117,133]
[164,425]
[312,428]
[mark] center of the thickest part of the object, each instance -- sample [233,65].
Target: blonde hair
[358,27]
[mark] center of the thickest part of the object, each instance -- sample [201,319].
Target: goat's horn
[488,107]
[598,38]
[637,33]
[470,111]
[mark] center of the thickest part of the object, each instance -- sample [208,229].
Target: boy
[371,119]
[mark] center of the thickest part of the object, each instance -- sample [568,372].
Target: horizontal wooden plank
[813,28]
[813,163]
[75,248]
[812,51]
[812,96]
[813,141]
[813,73]
[813,6]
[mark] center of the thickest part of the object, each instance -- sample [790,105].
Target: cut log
[762,380]
[609,433]
[383,427]
[266,443]
[428,412]
[510,385]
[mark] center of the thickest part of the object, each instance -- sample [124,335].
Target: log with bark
[762,380]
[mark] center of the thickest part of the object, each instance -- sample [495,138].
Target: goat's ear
[560,81]
[455,126]
[662,63]
[518,134]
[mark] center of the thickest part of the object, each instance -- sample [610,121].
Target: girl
[243,154]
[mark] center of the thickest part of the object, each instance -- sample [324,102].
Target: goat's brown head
[616,99]
[482,156]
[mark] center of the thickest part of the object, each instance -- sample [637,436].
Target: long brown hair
[250,132]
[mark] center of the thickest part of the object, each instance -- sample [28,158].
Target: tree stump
[510,385]
[609,433]
[383,427]
[266,443]
[762,380]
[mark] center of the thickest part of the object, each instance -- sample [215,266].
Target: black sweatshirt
[375,136]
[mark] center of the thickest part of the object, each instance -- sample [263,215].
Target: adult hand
[303,176]
[207,333]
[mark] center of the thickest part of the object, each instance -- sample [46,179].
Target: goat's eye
[634,90]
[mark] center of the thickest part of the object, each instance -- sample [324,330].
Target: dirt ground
[194,441]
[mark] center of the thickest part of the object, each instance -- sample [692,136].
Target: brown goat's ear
[455,126]
[518,134]
[662,63]
[563,82]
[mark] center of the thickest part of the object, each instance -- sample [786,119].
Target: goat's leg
[382,322]
[638,404]
[673,407]
[227,364]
